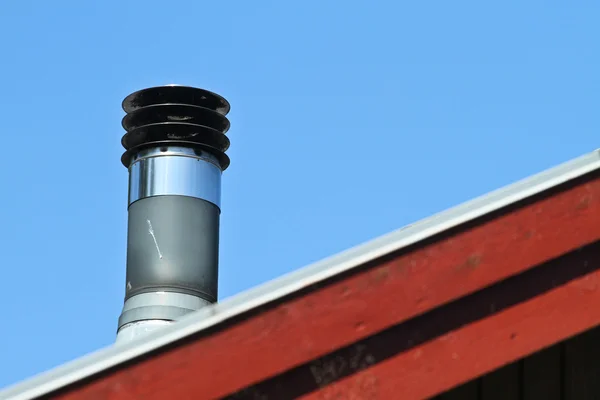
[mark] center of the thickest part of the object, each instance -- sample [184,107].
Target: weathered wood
[502,384]
[480,347]
[542,374]
[582,366]
[383,294]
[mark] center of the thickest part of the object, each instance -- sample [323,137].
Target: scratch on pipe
[151,232]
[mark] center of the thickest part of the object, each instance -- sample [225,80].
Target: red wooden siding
[410,325]
[518,329]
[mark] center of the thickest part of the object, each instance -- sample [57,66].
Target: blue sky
[349,119]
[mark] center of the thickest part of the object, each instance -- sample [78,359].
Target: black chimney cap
[177,116]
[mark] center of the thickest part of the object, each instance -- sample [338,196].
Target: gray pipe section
[172,246]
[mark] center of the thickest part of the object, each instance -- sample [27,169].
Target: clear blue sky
[349,119]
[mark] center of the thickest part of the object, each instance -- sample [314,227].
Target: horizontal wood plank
[487,344]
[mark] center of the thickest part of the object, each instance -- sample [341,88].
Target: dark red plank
[480,347]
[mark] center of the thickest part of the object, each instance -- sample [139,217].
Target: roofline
[213,315]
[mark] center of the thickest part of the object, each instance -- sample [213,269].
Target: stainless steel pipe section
[153,310]
[176,171]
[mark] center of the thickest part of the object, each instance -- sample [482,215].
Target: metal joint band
[174,171]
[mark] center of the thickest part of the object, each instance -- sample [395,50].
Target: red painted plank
[477,348]
[388,292]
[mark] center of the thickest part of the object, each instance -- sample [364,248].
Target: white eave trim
[114,355]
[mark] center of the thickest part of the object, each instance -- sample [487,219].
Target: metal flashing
[269,292]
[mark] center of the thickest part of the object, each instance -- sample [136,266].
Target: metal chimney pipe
[175,153]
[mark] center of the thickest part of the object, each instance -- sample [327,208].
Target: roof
[421,252]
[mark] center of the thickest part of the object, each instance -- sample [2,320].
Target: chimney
[175,153]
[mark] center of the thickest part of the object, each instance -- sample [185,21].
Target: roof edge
[210,316]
